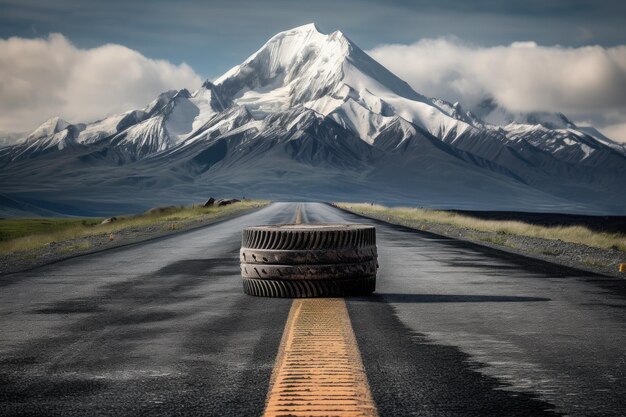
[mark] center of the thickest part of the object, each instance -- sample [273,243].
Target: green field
[18,235]
[15,228]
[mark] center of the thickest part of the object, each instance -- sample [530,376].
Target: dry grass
[414,217]
[18,235]
[75,247]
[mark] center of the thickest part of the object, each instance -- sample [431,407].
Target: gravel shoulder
[58,251]
[583,257]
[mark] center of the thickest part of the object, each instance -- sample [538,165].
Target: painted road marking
[298,219]
[318,370]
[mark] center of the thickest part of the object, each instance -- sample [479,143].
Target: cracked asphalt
[163,328]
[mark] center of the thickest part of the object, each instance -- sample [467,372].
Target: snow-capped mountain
[489,111]
[310,115]
[11,138]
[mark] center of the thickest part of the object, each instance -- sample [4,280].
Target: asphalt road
[163,328]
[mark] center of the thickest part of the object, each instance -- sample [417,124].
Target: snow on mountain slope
[597,135]
[333,76]
[493,113]
[110,126]
[293,67]
[50,127]
[174,118]
[53,134]
[569,145]
[144,138]
[312,113]
[185,113]
[100,129]
[179,116]
[12,138]
[167,121]
[550,132]
[59,140]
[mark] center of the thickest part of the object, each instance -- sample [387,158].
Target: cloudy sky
[84,59]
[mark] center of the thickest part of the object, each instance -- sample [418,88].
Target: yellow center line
[318,370]
[298,219]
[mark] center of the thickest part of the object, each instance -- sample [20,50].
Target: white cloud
[581,82]
[40,78]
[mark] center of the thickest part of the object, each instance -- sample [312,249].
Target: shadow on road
[202,267]
[447,298]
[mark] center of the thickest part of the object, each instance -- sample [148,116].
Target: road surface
[163,328]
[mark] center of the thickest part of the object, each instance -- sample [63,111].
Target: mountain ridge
[312,115]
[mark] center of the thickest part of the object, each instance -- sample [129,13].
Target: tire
[309,260]
[307,257]
[309,237]
[303,289]
[309,272]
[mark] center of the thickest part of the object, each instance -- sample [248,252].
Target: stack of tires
[309,260]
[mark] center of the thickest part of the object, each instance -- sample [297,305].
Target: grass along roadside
[11,229]
[573,246]
[419,218]
[21,236]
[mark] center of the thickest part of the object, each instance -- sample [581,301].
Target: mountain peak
[309,27]
[299,64]
[55,124]
[302,65]
[208,85]
[292,46]
[183,93]
[49,127]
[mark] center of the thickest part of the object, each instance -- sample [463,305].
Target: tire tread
[306,289]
